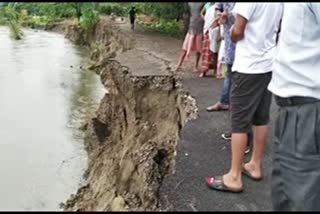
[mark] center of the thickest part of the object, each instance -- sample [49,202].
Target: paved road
[201,151]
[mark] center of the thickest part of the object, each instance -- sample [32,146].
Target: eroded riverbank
[132,138]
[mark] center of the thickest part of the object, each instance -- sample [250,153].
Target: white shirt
[213,33]
[254,53]
[209,18]
[297,63]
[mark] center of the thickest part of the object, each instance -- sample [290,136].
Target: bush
[39,22]
[89,18]
[10,17]
[171,28]
[118,9]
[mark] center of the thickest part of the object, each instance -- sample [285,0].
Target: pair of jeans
[225,94]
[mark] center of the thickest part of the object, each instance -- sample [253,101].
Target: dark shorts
[250,101]
[295,183]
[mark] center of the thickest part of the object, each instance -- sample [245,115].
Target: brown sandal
[216,183]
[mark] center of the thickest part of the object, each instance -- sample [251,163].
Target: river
[45,96]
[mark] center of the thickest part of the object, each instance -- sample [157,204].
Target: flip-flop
[217,107]
[248,174]
[216,183]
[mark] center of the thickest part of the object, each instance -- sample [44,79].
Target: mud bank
[131,140]
[104,40]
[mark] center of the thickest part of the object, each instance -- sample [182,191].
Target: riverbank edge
[136,142]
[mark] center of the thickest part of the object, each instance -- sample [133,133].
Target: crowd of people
[268,48]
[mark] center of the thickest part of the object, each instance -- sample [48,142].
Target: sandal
[249,175]
[216,183]
[218,107]
[203,74]
[219,77]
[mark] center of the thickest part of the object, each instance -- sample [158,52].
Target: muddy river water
[45,95]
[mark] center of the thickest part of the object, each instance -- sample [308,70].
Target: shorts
[250,101]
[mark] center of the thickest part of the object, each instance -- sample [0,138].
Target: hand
[220,38]
[215,23]
[224,16]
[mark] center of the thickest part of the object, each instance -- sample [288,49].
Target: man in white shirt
[255,32]
[296,85]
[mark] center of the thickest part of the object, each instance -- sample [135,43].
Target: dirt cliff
[131,141]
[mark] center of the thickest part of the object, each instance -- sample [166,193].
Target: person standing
[295,180]
[209,44]
[250,98]
[227,20]
[193,39]
[132,16]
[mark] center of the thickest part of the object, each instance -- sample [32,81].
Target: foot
[232,182]
[219,76]
[203,74]
[178,68]
[218,107]
[196,70]
[252,171]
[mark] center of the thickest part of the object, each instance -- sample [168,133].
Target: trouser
[295,183]
[225,94]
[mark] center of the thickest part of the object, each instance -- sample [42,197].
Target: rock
[118,204]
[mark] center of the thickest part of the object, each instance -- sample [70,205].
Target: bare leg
[196,67]
[260,141]
[238,146]
[181,59]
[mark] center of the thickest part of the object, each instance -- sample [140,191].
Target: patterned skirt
[209,59]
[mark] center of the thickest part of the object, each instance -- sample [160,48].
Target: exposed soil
[132,139]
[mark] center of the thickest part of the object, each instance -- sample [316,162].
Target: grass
[167,27]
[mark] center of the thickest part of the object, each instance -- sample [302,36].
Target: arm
[237,31]
[244,12]
[203,12]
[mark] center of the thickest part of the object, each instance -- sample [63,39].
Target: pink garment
[192,43]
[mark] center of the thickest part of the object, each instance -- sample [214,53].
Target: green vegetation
[167,18]
[119,9]
[10,17]
[170,28]
[89,18]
